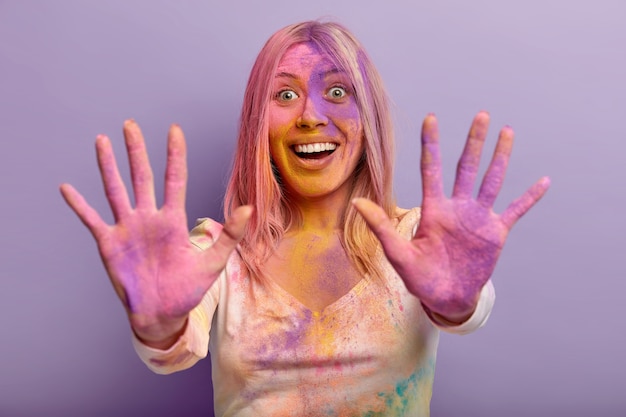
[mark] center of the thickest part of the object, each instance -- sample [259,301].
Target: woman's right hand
[155,270]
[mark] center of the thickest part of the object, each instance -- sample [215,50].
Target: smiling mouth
[314,150]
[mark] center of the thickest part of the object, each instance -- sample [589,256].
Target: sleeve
[410,221]
[194,342]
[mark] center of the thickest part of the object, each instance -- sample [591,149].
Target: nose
[312,115]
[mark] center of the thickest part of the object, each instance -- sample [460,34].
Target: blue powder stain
[398,400]
[402,387]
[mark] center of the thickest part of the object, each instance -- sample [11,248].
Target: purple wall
[554,70]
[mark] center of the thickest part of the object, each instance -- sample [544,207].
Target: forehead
[304,57]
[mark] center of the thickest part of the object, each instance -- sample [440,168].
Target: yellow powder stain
[323,333]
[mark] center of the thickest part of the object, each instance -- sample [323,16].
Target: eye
[337,92]
[286,95]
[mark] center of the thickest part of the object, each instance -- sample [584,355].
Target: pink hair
[254,180]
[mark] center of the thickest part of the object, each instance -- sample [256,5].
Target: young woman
[318,296]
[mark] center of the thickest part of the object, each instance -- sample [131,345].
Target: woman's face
[315,130]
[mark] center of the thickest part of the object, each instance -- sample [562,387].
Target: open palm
[157,273]
[459,239]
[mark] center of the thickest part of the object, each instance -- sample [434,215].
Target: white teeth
[315,147]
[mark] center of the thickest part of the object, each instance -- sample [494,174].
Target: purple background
[554,70]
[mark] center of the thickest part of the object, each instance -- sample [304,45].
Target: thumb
[231,234]
[380,224]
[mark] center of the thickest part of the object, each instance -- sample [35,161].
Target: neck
[321,215]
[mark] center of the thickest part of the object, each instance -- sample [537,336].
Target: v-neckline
[332,307]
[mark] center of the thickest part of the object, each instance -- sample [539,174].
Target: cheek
[354,133]
[278,131]
[278,148]
[349,111]
[355,130]
[357,145]
[349,121]
[279,123]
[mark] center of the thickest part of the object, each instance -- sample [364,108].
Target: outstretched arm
[156,272]
[459,239]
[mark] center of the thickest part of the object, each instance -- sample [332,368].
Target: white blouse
[370,353]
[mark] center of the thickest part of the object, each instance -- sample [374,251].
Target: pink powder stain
[400,306]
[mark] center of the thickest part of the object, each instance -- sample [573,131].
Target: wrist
[161,337]
[451,311]
[449,319]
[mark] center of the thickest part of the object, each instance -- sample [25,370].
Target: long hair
[254,180]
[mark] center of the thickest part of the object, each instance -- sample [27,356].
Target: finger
[494,177]
[378,221]
[176,171]
[141,172]
[519,207]
[432,183]
[231,235]
[467,167]
[84,211]
[114,187]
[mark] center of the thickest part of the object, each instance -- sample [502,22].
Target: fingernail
[246,211]
[357,201]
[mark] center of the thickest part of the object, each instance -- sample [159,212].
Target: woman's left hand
[459,239]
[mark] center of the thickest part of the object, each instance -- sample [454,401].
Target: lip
[314,147]
[313,164]
[310,140]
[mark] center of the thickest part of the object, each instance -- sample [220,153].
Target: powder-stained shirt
[370,353]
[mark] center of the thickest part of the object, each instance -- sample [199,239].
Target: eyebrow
[284,74]
[293,76]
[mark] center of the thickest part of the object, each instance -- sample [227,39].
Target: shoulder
[406,220]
